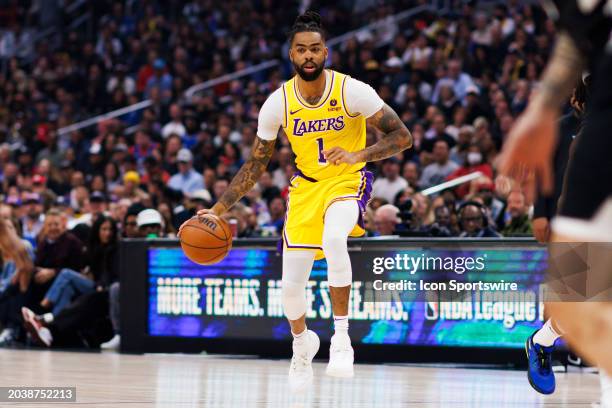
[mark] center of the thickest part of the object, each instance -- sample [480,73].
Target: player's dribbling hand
[527,152]
[337,155]
[199,214]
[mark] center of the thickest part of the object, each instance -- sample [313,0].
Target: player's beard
[309,76]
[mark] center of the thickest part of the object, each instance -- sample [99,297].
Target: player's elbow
[406,140]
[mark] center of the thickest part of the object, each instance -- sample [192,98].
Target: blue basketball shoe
[540,373]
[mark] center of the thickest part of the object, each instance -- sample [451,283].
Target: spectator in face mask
[473,163]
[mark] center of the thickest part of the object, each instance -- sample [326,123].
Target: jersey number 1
[320,145]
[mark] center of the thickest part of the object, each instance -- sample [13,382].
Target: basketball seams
[200,247]
[207,231]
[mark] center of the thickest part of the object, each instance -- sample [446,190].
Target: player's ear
[326,52]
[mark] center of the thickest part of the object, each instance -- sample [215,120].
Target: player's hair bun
[310,19]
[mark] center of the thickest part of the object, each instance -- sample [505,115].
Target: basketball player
[324,114]
[584,42]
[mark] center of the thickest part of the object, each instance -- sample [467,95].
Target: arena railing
[190,92]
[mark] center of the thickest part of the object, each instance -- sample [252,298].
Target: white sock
[48,318]
[547,335]
[341,324]
[299,338]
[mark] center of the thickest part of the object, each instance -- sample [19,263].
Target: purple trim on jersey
[365,197]
[305,177]
[286,108]
[343,102]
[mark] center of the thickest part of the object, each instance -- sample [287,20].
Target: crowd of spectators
[458,80]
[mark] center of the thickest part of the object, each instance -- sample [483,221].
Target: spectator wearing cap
[473,105]
[131,189]
[95,164]
[392,183]
[186,180]
[39,186]
[436,172]
[33,220]
[175,126]
[161,80]
[96,206]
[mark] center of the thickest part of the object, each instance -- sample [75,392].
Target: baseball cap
[62,201]
[148,217]
[31,198]
[95,148]
[159,63]
[12,200]
[131,176]
[97,197]
[202,194]
[472,89]
[39,179]
[184,155]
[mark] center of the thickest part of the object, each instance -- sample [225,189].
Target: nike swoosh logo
[294,112]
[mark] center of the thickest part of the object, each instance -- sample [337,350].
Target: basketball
[206,240]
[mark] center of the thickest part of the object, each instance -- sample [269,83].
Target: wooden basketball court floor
[161,380]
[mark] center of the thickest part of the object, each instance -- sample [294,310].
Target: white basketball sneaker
[300,370]
[341,356]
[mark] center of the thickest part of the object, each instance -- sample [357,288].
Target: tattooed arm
[396,139]
[246,177]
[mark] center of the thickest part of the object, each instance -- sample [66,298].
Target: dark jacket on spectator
[65,252]
[104,264]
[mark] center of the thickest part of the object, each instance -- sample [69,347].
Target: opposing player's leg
[539,347]
[340,219]
[296,271]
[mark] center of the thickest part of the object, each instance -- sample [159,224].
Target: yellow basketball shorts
[309,199]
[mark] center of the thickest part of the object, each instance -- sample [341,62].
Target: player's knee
[294,299]
[334,242]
